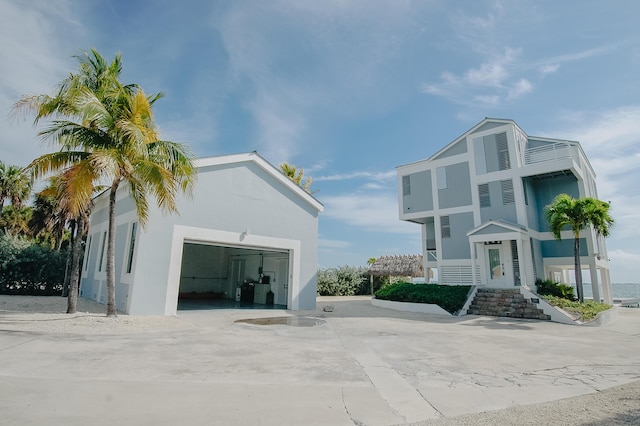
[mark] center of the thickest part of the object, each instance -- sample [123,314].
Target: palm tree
[296,176]
[15,185]
[578,214]
[107,134]
[15,220]
[51,213]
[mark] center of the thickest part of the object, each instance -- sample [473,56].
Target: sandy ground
[46,314]
[619,405]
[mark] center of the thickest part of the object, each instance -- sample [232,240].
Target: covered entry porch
[501,251]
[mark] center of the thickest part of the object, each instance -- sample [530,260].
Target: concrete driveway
[357,365]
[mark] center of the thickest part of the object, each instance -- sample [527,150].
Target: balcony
[552,152]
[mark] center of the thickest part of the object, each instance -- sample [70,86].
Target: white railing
[554,152]
[458,275]
[432,256]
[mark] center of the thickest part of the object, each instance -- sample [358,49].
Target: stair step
[508,303]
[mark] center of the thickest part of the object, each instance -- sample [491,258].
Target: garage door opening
[226,277]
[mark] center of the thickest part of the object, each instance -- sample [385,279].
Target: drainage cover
[293,321]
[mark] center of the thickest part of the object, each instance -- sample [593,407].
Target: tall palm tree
[578,214]
[15,185]
[107,134]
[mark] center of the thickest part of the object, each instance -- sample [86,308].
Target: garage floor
[193,305]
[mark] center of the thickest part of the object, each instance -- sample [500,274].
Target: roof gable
[257,159]
[496,227]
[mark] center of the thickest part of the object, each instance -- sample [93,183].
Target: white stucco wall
[238,203]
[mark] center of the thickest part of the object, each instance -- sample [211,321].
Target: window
[441,176]
[406,185]
[445,229]
[480,156]
[503,152]
[483,192]
[132,242]
[86,258]
[507,192]
[104,240]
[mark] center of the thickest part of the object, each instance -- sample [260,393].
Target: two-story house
[481,202]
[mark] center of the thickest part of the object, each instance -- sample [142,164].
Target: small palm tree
[296,176]
[15,221]
[577,214]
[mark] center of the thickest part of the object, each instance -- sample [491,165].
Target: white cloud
[376,176]
[307,59]
[548,69]
[522,87]
[486,84]
[373,212]
[493,72]
[332,244]
[35,56]
[611,141]
[624,265]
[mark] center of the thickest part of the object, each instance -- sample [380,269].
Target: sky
[349,90]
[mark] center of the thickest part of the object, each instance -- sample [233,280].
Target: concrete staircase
[504,303]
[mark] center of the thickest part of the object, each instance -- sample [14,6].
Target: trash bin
[269,297]
[248,290]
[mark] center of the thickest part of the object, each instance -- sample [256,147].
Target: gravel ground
[46,314]
[614,406]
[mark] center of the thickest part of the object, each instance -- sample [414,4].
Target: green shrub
[347,281]
[449,297]
[585,311]
[552,288]
[31,269]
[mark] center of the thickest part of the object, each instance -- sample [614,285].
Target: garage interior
[218,277]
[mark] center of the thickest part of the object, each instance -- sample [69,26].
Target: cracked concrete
[363,366]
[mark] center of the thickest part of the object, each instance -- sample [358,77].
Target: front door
[496,262]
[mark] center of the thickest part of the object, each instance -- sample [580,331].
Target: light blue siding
[547,189]
[458,190]
[498,210]
[457,148]
[420,197]
[563,248]
[488,126]
[457,246]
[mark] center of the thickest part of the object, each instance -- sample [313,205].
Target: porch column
[593,270]
[474,261]
[522,270]
[566,276]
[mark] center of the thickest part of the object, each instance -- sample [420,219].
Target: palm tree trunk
[111,260]
[72,298]
[69,265]
[577,268]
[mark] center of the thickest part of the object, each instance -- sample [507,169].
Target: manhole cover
[293,321]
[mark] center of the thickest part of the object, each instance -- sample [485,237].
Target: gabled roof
[257,159]
[496,226]
[477,127]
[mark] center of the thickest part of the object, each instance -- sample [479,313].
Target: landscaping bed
[449,297]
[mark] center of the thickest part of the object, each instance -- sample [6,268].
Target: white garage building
[248,236]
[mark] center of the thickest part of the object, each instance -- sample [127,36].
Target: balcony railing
[432,256]
[553,152]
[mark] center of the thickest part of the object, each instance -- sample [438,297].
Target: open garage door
[221,276]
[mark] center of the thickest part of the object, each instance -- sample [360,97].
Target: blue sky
[349,90]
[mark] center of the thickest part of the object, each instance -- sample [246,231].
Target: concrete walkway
[360,365]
